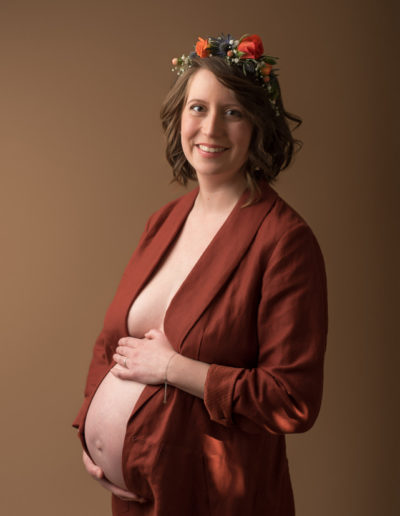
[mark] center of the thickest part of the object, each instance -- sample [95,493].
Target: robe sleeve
[282,394]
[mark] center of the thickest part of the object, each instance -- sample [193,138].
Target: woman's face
[215,133]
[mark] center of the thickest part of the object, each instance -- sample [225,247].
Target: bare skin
[211,117]
[147,359]
[97,473]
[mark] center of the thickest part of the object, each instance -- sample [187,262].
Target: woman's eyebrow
[197,100]
[235,104]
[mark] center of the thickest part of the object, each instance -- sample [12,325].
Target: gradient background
[82,168]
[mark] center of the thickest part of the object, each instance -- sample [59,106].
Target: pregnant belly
[106,422]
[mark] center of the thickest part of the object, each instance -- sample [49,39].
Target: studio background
[82,168]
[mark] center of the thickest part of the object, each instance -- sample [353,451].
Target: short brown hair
[272,144]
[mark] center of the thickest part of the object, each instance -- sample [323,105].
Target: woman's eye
[196,108]
[234,112]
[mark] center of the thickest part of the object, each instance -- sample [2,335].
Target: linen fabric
[254,306]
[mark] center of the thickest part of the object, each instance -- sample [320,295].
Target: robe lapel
[152,251]
[215,266]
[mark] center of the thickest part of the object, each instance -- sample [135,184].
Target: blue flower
[221,45]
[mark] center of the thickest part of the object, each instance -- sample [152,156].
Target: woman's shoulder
[283,220]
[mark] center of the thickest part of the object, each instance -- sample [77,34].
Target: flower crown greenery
[247,54]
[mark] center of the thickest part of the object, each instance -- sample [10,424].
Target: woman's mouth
[207,149]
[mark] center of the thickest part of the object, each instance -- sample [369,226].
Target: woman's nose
[213,124]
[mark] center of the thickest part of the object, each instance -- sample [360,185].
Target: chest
[200,284]
[148,309]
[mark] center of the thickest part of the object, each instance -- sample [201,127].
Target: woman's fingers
[121,359]
[93,470]
[131,342]
[143,360]
[121,372]
[121,493]
[96,472]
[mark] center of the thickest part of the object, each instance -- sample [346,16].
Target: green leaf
[244,36]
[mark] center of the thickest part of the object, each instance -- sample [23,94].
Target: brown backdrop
[82,167]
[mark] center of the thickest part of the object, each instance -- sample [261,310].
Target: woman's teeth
[211,149]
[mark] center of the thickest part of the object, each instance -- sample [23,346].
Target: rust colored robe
[255,307]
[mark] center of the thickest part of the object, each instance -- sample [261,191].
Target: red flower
[203,48]
[251,46]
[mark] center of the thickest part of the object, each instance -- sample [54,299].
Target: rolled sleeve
[282,394]
[218,393]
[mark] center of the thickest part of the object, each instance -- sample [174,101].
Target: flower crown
[247,54]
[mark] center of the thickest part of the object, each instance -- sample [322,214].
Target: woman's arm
[283,393]
[188,375]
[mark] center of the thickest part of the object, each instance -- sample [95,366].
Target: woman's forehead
[204,85]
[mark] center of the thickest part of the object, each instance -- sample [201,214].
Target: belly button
[99,445]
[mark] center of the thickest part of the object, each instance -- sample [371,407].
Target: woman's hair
[272,144]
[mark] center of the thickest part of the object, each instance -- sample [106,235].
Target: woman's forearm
[187,374]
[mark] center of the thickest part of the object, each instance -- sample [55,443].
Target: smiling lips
[207,149]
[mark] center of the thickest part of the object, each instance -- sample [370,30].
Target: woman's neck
[219,197]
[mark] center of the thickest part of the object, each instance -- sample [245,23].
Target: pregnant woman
[212,348]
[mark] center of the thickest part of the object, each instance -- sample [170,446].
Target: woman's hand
[97,473]
[143,360]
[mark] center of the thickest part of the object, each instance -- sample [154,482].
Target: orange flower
[251,46]
[266,70]
[203,48]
